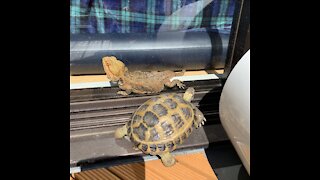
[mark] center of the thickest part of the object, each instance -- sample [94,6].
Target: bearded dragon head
[113,67]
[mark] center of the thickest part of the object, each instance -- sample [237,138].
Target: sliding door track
[96,113]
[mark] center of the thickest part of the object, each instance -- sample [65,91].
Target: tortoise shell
[161,123]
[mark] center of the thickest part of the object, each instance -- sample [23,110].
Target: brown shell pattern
[161,123]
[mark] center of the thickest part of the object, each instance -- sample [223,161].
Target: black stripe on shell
[150,119]
[144,147]
[154,135]
[160,110]
[134,141]
[140,131]
[183,136]
[128,125]
[172,104]
[177,120]
[177,141]
[167,128]
[170,145]
[154,99]
[136,118]
[186,112]
[161,147]
[128,131]
[153,147]
[166,95]
[180,99]
[143,107]
[187,135]
[189,130]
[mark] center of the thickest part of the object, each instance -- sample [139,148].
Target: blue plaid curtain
[149,16]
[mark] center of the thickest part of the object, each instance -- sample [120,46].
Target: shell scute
[150,119]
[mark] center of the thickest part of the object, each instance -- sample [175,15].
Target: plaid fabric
[149,16]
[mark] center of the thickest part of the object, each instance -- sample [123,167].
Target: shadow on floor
[225,161]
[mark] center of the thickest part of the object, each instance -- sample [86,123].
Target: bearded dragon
[138,81]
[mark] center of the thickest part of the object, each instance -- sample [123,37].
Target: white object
[235,108]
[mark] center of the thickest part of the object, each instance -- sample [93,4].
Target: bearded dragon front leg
[175,83]
[126,89]
[124,93]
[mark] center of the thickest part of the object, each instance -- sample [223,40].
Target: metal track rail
[96,113]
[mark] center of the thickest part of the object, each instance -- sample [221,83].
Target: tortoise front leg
[167,159]
[127,89]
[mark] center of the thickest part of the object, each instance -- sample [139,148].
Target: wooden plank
[185,168]
[189,166]
[97,174]
[88,78]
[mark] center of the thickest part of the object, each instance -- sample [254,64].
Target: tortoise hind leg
[167,159]
[121,132]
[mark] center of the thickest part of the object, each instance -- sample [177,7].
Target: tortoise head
[113,67]
[189,94]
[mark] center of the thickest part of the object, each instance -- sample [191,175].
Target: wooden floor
[190,166]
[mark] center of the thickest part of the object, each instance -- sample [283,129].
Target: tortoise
[162,123]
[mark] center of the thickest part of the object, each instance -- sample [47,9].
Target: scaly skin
[138,82]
